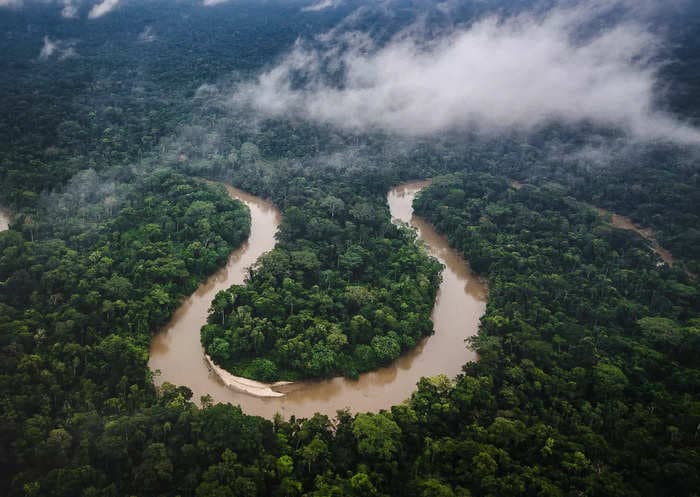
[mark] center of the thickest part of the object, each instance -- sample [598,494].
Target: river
[461,300]
[626,223]
[5,219]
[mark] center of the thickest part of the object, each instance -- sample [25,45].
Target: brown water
[176,349]
[5,219]
[625,223]
[460,302]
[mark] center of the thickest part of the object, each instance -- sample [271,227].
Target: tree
[314,454]
[377,435]
[155,473]
[225,479]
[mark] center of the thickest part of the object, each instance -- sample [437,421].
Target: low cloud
[58,49]
[580,64]
[147,35]
[69,10]
[322,5]
[102,8]
[210,3]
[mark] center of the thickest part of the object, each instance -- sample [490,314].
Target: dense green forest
[582,332]
[344,291]
[586,374]
[77,312]
[587,383]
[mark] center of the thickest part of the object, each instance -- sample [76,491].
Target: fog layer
[586,63]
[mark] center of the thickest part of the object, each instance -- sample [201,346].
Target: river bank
[625,223]
[461,300]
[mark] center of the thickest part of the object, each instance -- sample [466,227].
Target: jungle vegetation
[588,379]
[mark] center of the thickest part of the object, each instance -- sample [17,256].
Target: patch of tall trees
[344,291]
[586,344]
[76,315]
[587,383]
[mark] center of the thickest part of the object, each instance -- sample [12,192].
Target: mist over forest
[552,145]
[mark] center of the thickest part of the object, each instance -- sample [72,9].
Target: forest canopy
[112,112]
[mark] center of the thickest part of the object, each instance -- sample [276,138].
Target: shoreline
[456,313]
[245,385]
[624,223]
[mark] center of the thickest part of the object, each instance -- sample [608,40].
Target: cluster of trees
[77,314]
[658,189]
[61,118]
[344,291]
[587,381]
[117,97]
[585,341]
[657,185]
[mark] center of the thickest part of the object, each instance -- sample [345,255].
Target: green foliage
[377,436]
[587,382]
[587,367]
[76,320]
[343,292]
[580,349]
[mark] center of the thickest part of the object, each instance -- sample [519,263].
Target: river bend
[461,300]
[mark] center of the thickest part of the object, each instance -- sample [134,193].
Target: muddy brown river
[626,223]
[461,300]
[5,219]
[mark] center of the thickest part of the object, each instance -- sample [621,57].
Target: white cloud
[48,49]
[102,8]
[210,3]
[61,50]
[519,73]
[13,4]
[147,35]
[322,5]
[69,10]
